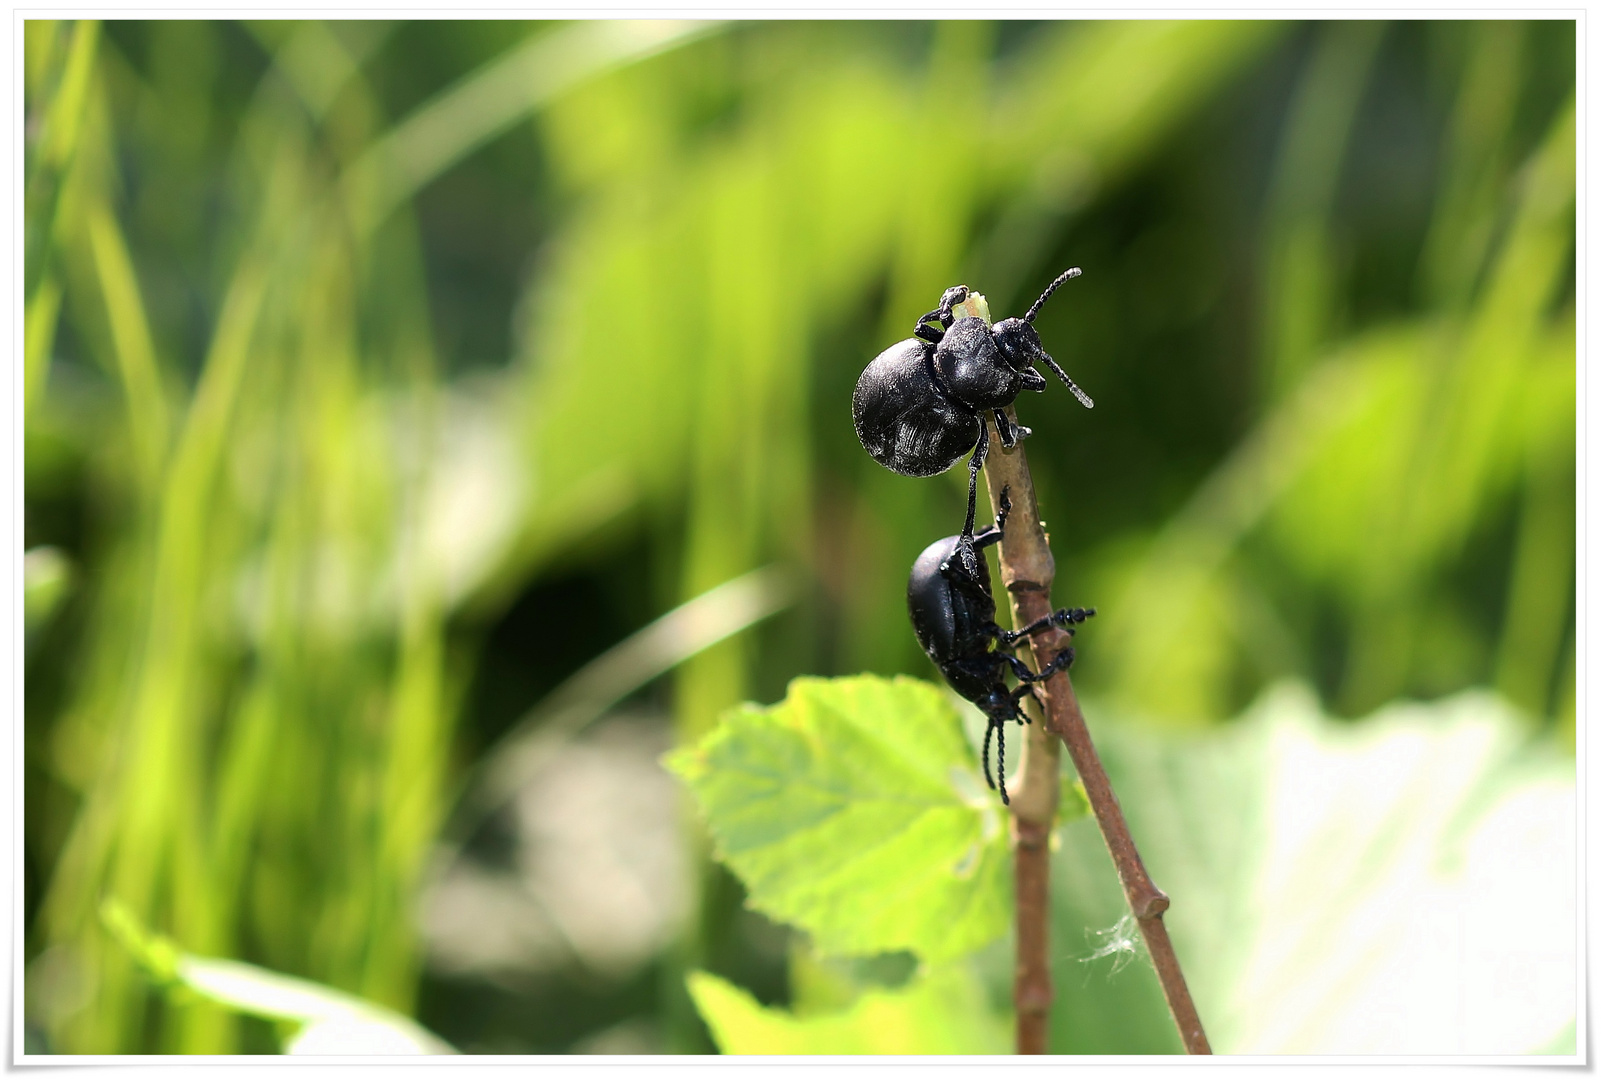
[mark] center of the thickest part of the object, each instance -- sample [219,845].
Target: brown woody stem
[1027,570]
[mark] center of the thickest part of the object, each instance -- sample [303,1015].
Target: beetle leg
[949,299]
[1061,660]
[1003,428]
[942,315]
[967,555]
[1012,637]
[997,532]
[1063,617]
[1010,431]
[954,570]
[1020,669]
[973,466]
[1018,695]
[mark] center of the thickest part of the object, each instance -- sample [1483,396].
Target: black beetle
[920,405]
[953,615]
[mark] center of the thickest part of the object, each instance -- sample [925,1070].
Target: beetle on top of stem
[920,405]
[953,616]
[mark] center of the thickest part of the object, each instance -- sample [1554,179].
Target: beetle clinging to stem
[953,614]
[921,404]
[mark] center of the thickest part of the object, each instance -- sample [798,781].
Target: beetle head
[998,705]
[1019,343]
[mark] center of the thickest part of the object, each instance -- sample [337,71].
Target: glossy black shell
[903,420]
[953,623]
[971,369]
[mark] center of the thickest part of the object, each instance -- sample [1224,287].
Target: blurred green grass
[377,375]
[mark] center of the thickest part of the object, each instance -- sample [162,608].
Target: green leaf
[1402,884]
[942,1012]
[1074,802]
[854,810]
[330,1022]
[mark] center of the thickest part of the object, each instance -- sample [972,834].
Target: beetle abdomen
[902,419]
[946,618]
[928,601]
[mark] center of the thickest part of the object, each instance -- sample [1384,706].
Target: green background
[380,375]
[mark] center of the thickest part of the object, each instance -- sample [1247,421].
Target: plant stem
[1037,790]
[1028,569]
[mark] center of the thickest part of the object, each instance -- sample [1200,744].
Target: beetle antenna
[989,731]
[1000,758]
[1084,399]
[1067,276]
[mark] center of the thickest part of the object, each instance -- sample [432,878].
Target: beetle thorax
[971,367]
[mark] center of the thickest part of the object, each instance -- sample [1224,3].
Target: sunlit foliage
[347,345]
